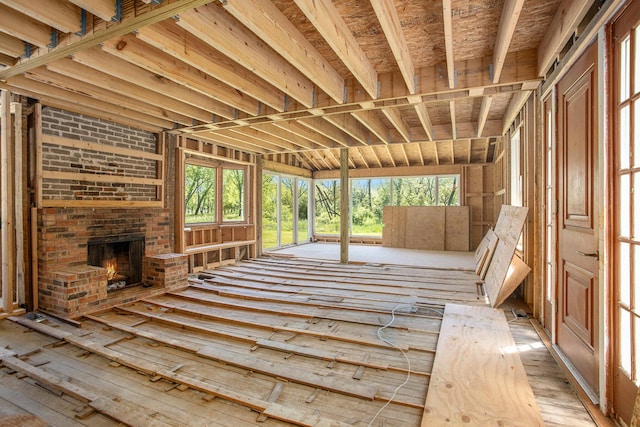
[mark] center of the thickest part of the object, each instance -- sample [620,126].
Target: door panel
[577,327]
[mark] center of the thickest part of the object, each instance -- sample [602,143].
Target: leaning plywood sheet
[491,249]
[518,270]
[478,377]
[508,229]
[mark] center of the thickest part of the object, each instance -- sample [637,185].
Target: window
[368,198]
[516,169]
[200,194]
[270,199]
[431,190]
[233,194]
[303,211]
[327,206]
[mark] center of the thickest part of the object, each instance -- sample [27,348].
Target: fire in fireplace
[121,256]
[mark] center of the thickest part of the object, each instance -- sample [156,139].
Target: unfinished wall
[59,160]
[479,195]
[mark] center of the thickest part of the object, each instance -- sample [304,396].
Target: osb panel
[475,25]
[430,153]
[413,153]
[461,150]
[445,152]
[465,111]
[533,23]
[439,113]
[479,150]
[423,28]
[499,105]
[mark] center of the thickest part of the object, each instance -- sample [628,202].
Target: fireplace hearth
[122,257]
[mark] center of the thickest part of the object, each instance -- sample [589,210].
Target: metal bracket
[83,23]
[27,50]
[54,39]
[378,90]
[286,102]
[118,16]
[156,1]
[491,72]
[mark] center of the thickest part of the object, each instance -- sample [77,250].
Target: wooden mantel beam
[327,20]
[71,43]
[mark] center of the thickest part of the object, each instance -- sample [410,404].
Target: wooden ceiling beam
[447,15]
[420,153]
[82,102]
[510,15]
[327,20]
[365,162]
[306,133]
[58,14]
[137,52]
[518,100]
[212,25]
[375,155]
[425,119]
[371,121]
[259,139]
[485,106]
[390,154]
[182,45]
[325,128]
[348,124]
[96,92]
[11,46]
[103,9]
[285,135]
[233,143]
[564,22]
[266,21]
[82,73]
[452,113]
[119,68]
[404,154]
[23,27]
[7,60]
[390,22]
[396,119]
[71,43]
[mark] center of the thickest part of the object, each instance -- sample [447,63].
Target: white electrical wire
[393,396]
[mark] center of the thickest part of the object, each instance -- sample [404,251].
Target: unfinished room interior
[320,212]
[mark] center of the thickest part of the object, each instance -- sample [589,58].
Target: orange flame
[111,269]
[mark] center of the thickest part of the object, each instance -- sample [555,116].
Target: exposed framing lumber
[229,36]
[59,14]
[7,203]
[447,12]
[395,117]
[137,52]
[388,17]
[24,27]
[344,205]
[74,176]
[286,135]
[267,22]
[19,161]
[104,9]
[285,169]
[7,60]
[11,46]
[454,126]
[325,18]
[372,122]
[349,125]
[515,105]
[510,15]
[182,45]
[327,129]
[425,119]
[79,144]
[561,27]
[485,106]
[73,43]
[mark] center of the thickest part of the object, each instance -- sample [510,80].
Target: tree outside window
[233,194]
[200,194]
[327,206]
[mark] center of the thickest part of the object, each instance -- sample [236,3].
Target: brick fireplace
[69,286]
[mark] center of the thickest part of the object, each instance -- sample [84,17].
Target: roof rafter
[325,17]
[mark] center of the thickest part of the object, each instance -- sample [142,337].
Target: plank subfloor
[270,342]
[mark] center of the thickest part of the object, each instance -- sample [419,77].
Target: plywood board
[478,377]
[517,272]
[457,219]
[508,229]
[492,243]
[424,227]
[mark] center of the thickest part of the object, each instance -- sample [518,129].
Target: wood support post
[257,206]
[6,202]
[344,205]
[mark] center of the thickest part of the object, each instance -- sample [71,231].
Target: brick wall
[64,159]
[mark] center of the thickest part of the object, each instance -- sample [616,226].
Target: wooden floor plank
[478,377]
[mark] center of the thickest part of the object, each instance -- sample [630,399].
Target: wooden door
[625,214]
[577,317]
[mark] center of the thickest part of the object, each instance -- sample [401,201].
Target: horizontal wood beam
[447,14]
[170,38]
[267,22]
[104,9]
[485,106]
[515,105]
[24,27]
[213,25]
[285,169]
[11,46]
[395,117]
[102,148]
[327,20]
[92,177]
[59,14]
[510,15]
[384,172]
[71,43]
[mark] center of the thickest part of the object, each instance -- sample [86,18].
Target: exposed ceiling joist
[179,43]
[211,24]
[82,73]
[11,46]
[24,27]
[104,9]
[325,17]
[268,23]
[425,119]
[350,126]
[485,106]
[510,15]
[452,112]
[517,102]
[137,52]
[59,14]
[327,129]
[447,14]
[372,122]
[390,22]
[396,119]
[289,136]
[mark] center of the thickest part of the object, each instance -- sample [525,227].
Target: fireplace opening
[121,256]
